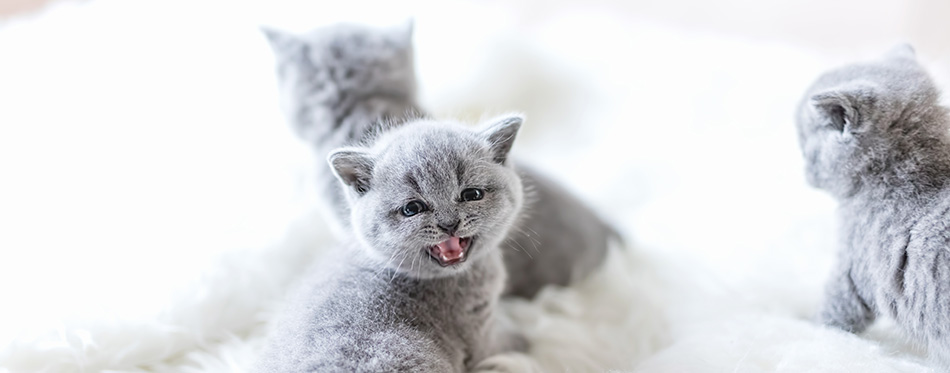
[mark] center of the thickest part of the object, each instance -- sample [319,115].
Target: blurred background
[828,25]
[141,142]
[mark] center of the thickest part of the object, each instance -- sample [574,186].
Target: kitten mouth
[451,251]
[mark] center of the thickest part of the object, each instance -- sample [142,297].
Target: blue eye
[412,208]
[472,194]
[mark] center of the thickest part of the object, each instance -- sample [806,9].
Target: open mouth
[451,251]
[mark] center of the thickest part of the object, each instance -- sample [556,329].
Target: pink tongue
[451,249]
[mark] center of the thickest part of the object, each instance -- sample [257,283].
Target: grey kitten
[341,84]
[875,137]
[336,86]
[416,287]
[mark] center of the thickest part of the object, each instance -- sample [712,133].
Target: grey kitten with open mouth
[415,286]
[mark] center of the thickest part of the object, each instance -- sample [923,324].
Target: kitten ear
[903,50]
[840,108]
[404,31]
[353,166]
[400,34]
[500,133]
[283,43]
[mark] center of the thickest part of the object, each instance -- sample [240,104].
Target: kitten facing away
[414,289]
[876,138]
[341,84]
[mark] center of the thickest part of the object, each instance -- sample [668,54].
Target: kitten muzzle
[451,251]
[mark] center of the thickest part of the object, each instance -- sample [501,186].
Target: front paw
[515,342]
[843,308]
[506,337]
[508,363]
[852,317]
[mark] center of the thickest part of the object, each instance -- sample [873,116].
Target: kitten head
[428,197]
[325,67]
[853,118]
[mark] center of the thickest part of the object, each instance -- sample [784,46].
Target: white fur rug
[155,207]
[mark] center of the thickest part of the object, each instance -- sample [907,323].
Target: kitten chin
[443,260]
[424,263]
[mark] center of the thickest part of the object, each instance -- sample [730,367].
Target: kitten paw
[508,363]
[517,343]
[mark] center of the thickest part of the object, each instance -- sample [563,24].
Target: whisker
[400,265]
[412,264]
[386,265]
[531,236]
[519,245]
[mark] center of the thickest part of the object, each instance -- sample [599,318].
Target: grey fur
[336,85]
[382,303]
[559,239]
[875,136]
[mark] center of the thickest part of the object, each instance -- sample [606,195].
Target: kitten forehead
[424,151]
[430,139]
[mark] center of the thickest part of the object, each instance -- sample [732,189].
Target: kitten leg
[502,351]
[505,336]
[500,338]
[508,363]
[843,308]
[510,341]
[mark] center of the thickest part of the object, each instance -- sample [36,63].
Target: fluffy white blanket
[155,207]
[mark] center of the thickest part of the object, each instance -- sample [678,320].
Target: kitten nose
[450,227]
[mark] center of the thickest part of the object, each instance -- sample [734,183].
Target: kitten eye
[413,208]
[472,194]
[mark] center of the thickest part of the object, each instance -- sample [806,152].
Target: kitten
[336,86]
[340,84]
[876,138]
[416,287]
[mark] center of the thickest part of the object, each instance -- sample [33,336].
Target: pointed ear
[401,34]
[841,107]
[500,133]
[281,42]
[354,168]
[406,29]
[903,50]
